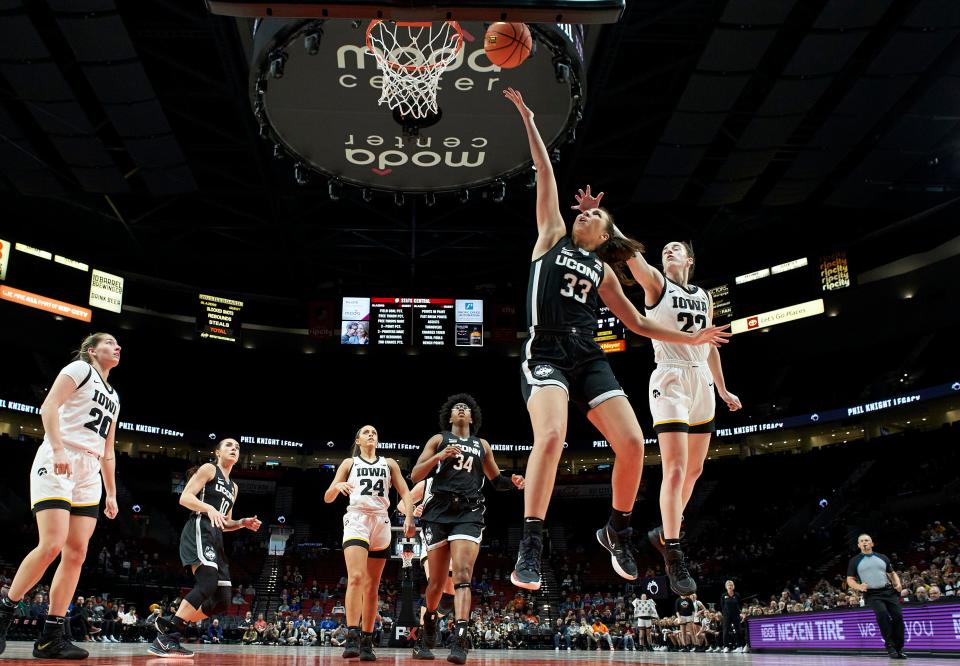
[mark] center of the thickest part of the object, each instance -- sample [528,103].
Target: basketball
[507,45]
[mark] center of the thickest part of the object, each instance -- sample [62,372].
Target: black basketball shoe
[681,582]
[621,550]
[352,647]
[526,572]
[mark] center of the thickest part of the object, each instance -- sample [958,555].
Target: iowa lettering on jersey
[697,305]
[382,472]
[100,423]
[691,313]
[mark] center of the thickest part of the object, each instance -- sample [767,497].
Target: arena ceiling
[749,127]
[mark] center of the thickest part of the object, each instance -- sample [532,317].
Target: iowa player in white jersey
[681,394]
[366,478]
[79,418]
[455,463]
[210,495]
[569,275]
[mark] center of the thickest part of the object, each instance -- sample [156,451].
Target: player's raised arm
[550,222]
[612,295]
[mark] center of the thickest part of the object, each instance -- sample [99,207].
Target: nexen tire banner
[930,627]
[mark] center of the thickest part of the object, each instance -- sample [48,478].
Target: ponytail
[617,250]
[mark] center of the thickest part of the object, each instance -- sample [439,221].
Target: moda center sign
[324,109]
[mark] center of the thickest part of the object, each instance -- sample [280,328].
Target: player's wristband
[501,483]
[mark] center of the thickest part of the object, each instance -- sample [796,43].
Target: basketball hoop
[412,57]
[407,556]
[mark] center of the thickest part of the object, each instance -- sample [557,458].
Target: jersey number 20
[100,423]
[368,487]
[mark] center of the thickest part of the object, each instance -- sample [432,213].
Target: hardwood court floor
[135,654]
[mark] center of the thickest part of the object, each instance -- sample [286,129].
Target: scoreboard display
[407,321]
[426,322]
[218,318]
[611,334]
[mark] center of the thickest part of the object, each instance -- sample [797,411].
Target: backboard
[323,110]
[528,11]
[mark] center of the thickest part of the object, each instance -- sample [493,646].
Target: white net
[412,58]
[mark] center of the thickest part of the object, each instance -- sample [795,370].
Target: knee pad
[205,587]
[219,603]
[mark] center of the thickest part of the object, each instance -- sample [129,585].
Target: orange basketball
[507,45]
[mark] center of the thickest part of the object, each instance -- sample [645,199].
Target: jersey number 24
[368,487]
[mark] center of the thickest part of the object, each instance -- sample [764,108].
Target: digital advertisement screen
[834,271]
[469,322]
[39,279]
[933,627]
[722,303]
[775,287]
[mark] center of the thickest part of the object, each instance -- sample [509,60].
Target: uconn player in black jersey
[210,495]
[79,421]
[569,274]
[455,463]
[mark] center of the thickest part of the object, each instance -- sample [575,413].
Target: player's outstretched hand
[713,335]
[515,97]
[586,201]
[252,524]
[517,481]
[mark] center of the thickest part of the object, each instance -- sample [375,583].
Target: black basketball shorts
[574,362]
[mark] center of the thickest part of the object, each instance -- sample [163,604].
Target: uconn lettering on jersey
[382,472]
[583,269]
[224,490]
[681,303]
[105,402]
[468,448]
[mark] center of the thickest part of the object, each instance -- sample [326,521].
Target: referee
[872,574]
